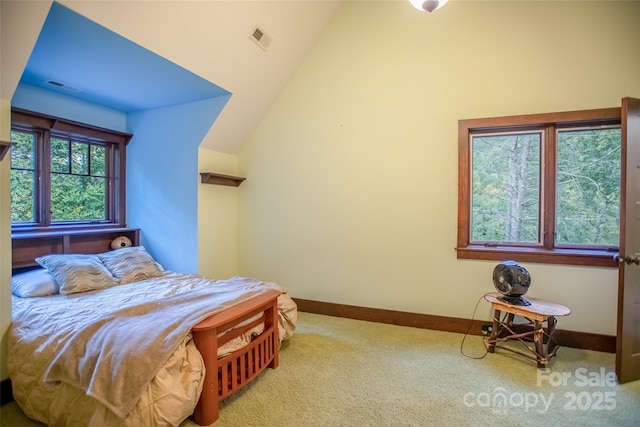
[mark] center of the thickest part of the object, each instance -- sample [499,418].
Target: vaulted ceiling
[194,51]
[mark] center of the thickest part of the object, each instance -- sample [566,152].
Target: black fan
[512,281]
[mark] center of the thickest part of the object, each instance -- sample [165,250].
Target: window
[540,188]
[65,174]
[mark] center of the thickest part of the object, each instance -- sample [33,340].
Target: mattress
[103,358]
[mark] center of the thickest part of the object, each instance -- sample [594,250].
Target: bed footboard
[226,375]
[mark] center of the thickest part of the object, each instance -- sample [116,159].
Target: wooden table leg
[509,321]
[552,345]
[495,329]
[538,338]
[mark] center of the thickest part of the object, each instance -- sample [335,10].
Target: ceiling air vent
[61,85]
[260,38]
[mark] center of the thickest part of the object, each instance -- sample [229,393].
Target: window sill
[45,232]
[592,258]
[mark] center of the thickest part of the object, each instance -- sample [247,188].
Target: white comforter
[122,355]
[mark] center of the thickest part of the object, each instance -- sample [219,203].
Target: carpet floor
[343,372]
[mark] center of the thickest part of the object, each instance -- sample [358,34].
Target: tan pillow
[131,264]
[77,273]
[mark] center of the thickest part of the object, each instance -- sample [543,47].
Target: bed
[112,339]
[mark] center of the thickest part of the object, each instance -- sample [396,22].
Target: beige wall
[217,217]
[20,24]
[5,242]
[354,169]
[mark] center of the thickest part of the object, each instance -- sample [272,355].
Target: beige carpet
[341,372]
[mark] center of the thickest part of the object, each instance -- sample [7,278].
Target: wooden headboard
[26,247]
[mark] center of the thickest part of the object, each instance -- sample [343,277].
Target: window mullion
[549,191]
[110,172]
[44,180]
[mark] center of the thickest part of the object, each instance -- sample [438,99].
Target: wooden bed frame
[224,376]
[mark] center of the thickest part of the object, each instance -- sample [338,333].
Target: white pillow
[77,273]
[34,283]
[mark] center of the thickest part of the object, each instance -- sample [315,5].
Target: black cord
[467,333]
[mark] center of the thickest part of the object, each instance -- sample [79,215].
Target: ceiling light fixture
[427,5]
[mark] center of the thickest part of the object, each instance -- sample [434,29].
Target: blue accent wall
[100,66]
[44,101]
[162,179]
[167,108]
[162,166]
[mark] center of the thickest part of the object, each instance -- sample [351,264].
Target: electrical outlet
[486,329]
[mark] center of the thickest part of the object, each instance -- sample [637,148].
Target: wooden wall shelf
[5,146]
[219,179]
